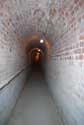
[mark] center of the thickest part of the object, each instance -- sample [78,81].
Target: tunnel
[41,62]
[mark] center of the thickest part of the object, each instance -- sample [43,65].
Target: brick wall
[62,21]
[69,45]
[65,68]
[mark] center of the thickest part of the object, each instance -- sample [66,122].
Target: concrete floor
[35,106]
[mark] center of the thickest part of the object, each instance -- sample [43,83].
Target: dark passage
[35,106]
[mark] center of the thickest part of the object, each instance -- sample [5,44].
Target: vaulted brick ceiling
[24,17]
[49,18]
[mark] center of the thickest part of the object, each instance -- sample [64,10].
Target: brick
[77,57]
[81,37]
[79,20]
[77,51]
[81,3]
[82,30]
[81,57]
[76,1]
[82,44]
[82,50]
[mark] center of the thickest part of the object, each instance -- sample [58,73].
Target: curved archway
[36,55]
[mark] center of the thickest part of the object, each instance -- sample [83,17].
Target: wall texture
[62,21]
[9,95]
[65,68]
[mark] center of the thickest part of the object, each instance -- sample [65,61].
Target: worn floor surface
[35,106]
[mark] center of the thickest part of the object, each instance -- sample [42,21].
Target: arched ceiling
[20,18]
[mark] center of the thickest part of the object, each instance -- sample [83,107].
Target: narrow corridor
[35,106]
[42,62]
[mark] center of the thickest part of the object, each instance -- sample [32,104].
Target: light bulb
[41,41]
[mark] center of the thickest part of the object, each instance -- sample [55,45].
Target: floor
[35,106]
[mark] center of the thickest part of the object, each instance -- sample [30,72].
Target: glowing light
[39,50]
[41,41]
